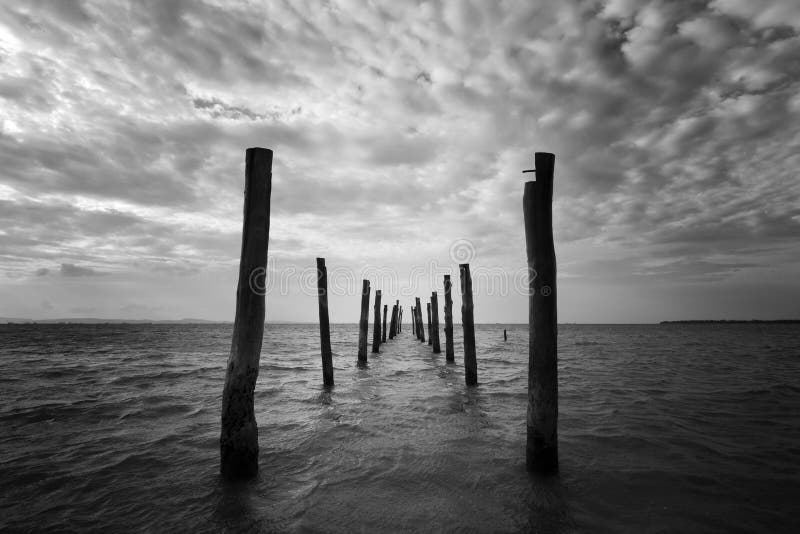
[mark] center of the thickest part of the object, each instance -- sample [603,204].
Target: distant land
[734,321]
[95,320]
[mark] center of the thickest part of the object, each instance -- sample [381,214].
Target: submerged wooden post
[430,330]
[397,322]
[505,335]
[238,440]
[468,322]
[413,322]
[376,330]
[435,322]
[363,324]
[383,334]
[399,319]
[324,323]
[541,450]
[420,329]
[449,354]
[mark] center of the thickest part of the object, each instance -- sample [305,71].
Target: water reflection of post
[542,443]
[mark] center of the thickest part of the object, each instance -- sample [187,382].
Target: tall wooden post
[420,329]
[430,331]
[238,440]
[397,322]
[383,334]
[393,322]
[363,324]
[541,451]
[324,323]
[376,330]
[468,322]
[399,319]
[413,322]
[448,321]
[435,322]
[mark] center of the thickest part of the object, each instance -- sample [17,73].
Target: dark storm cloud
[71,270]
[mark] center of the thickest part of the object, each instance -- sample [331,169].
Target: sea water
[662,428]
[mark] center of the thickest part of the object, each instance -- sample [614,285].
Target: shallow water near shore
[662,428]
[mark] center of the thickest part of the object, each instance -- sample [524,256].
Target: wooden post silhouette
[397,322]
[541,450]
[413,322]
[399,319]
[468,322]
[435,322]
[238,440]
[420,329]
[430,330]
[376,330]
[448,321]
[383,333]
[393,322]
[324,323]
[505,335]
[363,325]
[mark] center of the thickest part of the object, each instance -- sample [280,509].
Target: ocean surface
[662,428]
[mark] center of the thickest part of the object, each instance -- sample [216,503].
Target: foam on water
[661,429]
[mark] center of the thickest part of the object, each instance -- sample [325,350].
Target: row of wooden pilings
[239,432]
[467,322]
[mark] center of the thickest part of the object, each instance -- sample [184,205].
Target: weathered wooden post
[376,330]
[413,322]
[324,323]
[541,451]
[399,319]
[363,325]
[435,322]
[383,334]
[468,322]
[420,329]
[397,322]
[448,321]
[430,331]
[238,440]
[505,335]
[393,322]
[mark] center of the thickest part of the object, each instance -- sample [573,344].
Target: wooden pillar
[420,329]
[413,322]
[238,441]
[505,335]
[430,331]
[397,322]
[541,451]
[435,322]
[448,321]
[324,323]
[363,324]
[383,334]
[468,322]
[393,322]
[376,330]
[399,319]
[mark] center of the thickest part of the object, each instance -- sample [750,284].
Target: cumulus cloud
[124,124]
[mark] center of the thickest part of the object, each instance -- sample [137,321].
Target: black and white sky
[400,131]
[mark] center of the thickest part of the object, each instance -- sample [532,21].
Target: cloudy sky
[400,131]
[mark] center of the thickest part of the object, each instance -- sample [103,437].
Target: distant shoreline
[734,321]
[96,321]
